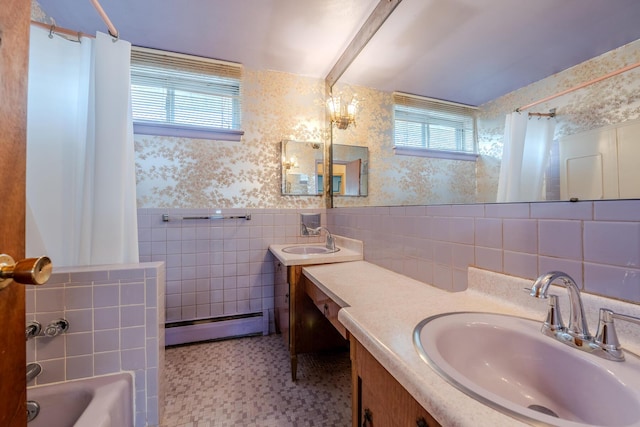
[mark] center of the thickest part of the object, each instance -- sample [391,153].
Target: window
[433,128]
[181,95]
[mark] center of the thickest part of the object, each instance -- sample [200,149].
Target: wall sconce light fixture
[343,112]
[289,164]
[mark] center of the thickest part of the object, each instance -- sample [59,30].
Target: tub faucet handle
[33,329]
[56,328]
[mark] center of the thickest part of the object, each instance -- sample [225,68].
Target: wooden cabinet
[325,305]
[305,322]
[281,299]
[378,399]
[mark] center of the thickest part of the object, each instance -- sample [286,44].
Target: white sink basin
[308,250]
[506,363]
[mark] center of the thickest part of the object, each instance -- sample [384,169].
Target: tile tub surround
[105,401]
[597,243]
[384,307]
[219,267]
[116,316]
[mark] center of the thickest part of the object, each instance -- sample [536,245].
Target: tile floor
[247,382]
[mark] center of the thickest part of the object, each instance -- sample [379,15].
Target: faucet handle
[32,330]
[56,327]
[553,323]
[606,337]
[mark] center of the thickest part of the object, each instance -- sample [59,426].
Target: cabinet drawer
[326,305]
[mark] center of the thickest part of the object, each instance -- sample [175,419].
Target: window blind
[185,91]
[425,123]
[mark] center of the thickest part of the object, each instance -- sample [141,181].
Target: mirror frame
[378,16]
[311,172]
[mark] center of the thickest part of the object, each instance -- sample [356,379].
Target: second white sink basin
[308,250]
[506,363]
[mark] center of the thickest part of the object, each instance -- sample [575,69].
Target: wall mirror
[299,166]
[406,43]
[350,170]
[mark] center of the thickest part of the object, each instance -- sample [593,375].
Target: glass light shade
[342,113]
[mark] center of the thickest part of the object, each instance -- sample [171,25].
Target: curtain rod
[580,86]
[110,27]
[113,32]
[59,30]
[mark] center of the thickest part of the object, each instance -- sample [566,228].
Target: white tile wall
[218,267]
[116,317]
[597,243]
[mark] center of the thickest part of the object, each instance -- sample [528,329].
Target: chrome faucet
[330,243]
[577,328]
[605,344]
[33,370]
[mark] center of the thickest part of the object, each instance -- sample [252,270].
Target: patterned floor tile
[247,382]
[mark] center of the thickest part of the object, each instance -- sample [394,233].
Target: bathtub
[105,401]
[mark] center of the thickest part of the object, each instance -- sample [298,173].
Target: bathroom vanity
[305,316]
[392,384]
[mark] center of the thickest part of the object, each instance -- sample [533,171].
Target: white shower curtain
[525,155]
[81,202]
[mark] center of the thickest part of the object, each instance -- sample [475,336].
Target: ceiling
[474,51]
[468,51]
[303,37]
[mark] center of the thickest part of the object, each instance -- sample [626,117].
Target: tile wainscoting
[218,268]
[116,318]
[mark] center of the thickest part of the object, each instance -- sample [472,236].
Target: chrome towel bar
[167,218]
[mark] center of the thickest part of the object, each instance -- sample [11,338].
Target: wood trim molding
[362,37]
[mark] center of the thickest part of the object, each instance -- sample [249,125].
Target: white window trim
[185,131]
[141,127]
[403,150]
[436,154]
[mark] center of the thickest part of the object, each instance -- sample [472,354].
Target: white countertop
[381,309]
[350,250]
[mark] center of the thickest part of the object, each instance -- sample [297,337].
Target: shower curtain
[81,201]
[525,155]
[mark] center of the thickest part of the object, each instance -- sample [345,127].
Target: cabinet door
[281,298]
[379,399]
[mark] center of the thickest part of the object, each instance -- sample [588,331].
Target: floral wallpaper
[194,173]
[197,173]
[608,102]
[39,15]
[399,180]
[190,173]
[403,180]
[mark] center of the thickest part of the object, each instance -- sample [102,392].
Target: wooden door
[14,51]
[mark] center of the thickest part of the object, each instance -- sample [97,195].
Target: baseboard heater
[216,328]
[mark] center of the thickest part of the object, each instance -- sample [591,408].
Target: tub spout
[33,370]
